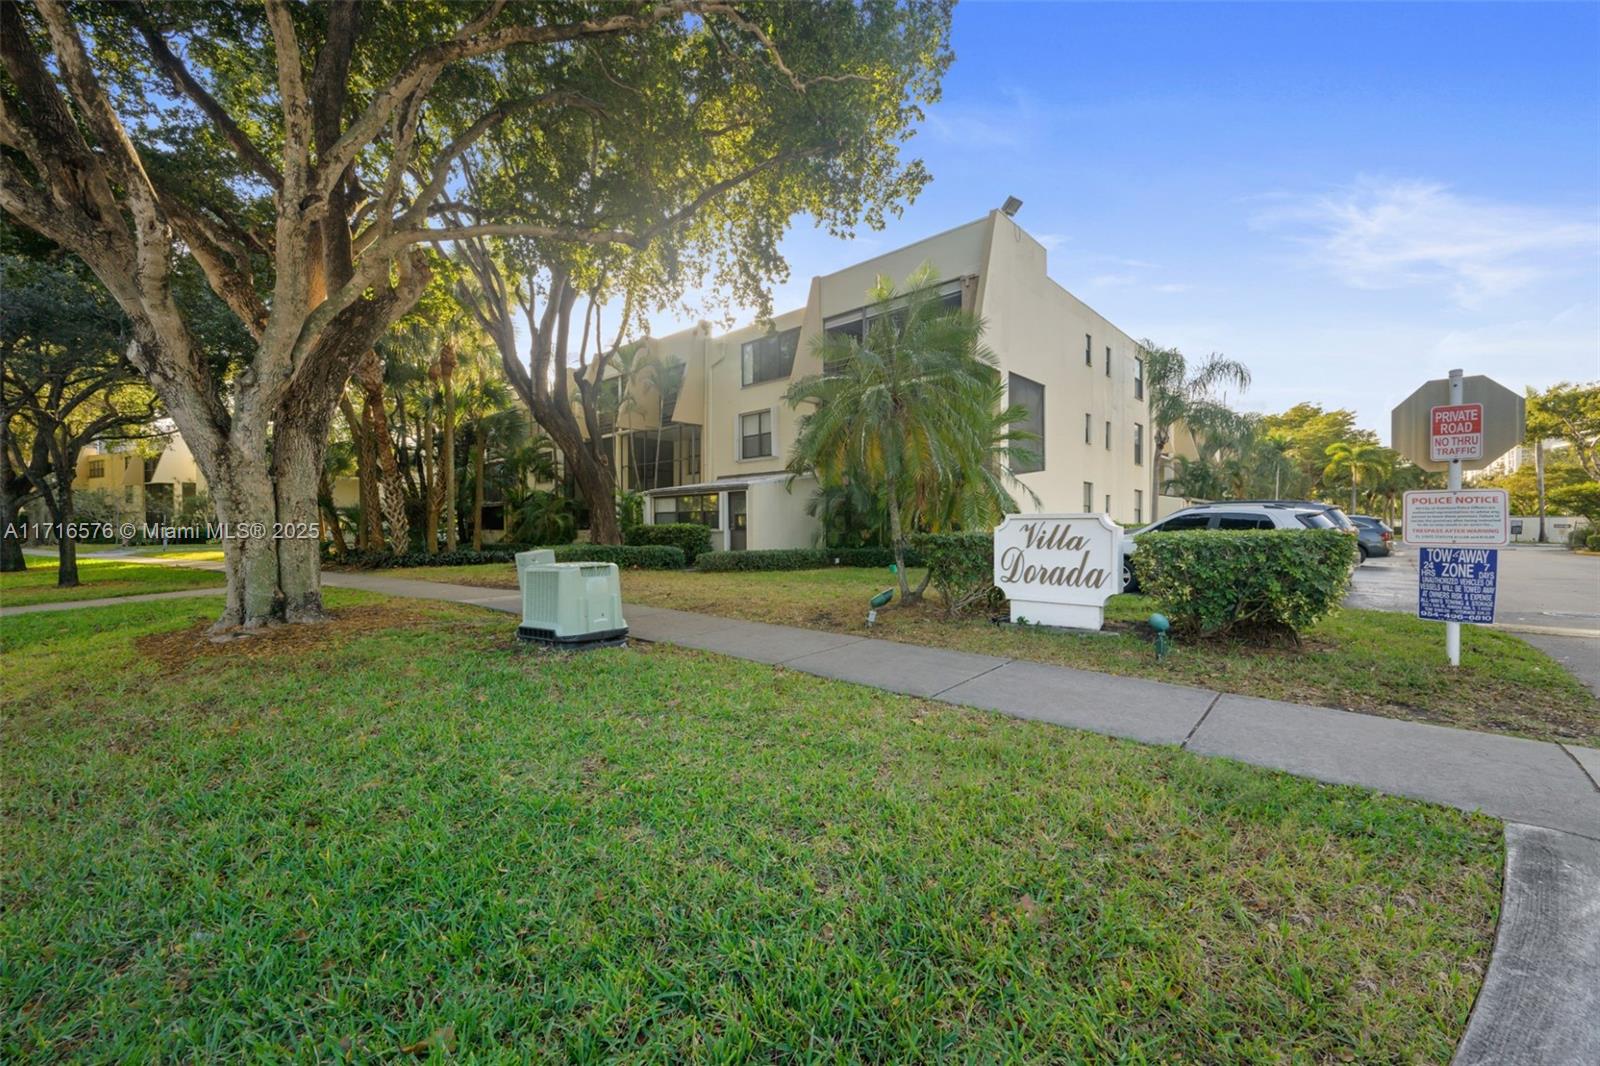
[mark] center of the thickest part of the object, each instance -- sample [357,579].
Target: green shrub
[1592,541]
[692,537]
[765,559]
[961,567]
[642,557]
[1252,582]
[800,558]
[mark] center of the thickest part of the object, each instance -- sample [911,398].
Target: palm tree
[1356,459]
[1176,395]
[911,412]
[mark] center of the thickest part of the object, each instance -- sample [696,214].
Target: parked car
[1377,539]
[1238,514]
[1337,516]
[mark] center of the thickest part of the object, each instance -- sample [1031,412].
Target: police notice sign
[1457,432]
[1464,518]
[1457,584]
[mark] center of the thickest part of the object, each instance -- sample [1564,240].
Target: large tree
[299,156]
[64,384]
[703,141]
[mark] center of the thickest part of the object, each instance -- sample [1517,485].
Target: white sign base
[1058,569]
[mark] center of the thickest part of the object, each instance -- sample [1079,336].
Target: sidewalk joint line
[1582,769]
[974,677]
[1202,721]
[809,654]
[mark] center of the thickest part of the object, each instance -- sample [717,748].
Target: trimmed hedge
[627,557]
[1262,582]
[961,567]
[1592,541]
[765,559]
[801,559]
[693,538]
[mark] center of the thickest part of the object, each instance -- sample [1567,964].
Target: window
[1138,506]
[1182,522]
[858,323]
[1138,444]
[1138,378]
[1088,428]
[97,468]
[1244,521]
[769,358]
[1108,503]
[1029,394]
[1088,350]
[1088,496]
[700,509]
[1108,360]
[755,435]
[1108,434]
[1316,520]
[127,494]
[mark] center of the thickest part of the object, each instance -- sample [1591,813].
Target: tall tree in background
[297,155]
[1177,393]
[914,411]
[1356,461]
[698,143]
[64,382]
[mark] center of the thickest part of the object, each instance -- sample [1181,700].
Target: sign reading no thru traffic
[1457,432]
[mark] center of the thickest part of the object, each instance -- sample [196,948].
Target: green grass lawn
[1373,661]
[403,832]
[98,577]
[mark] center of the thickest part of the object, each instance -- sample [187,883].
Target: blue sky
[1350,198]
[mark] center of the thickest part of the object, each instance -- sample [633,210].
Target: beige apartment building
[141,488]
[712,445]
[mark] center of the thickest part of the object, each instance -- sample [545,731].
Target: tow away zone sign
[1465,518]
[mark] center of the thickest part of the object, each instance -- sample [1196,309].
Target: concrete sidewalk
[1527,781]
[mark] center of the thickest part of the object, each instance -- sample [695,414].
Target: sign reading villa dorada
[1058,569]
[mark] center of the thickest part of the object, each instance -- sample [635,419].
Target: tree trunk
[330,515]
[297,451]
[478,448]
[1158,445]
[1538,470]
[1353,490]
[431,486]
[66,546]
[366,476]
[394,494]
[599,489]
[447,460]
[897,541]
[11,557]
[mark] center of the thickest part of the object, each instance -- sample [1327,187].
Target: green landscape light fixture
[1161,625]
[880,600]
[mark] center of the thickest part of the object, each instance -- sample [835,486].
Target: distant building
[142,490]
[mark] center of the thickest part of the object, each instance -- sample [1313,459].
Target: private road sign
[1457,432]
[1500,420]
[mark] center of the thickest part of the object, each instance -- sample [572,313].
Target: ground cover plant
[412,835]
[98,577]
[1376,662]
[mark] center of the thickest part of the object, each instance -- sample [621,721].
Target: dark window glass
[1138,506]
[1138,378]
[771,357]
[1138,444]
[1108,360]
[1029,394]
[1088,350]
[1244,521]
[1108,434]
[1088,428]
[1088,497]
[700,509]
[755,435]
[1182,522]
[1316,520]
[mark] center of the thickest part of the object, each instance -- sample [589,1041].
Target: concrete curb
[1540,1001]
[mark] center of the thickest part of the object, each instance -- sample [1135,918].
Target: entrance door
[736,521]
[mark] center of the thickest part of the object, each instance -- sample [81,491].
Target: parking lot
[1544,586]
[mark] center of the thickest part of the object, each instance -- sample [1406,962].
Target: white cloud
[1051,241]
[1397,234]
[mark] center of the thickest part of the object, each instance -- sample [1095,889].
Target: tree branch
[185,82]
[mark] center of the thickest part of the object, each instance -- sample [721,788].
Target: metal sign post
[1452,630]
[1457,424]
